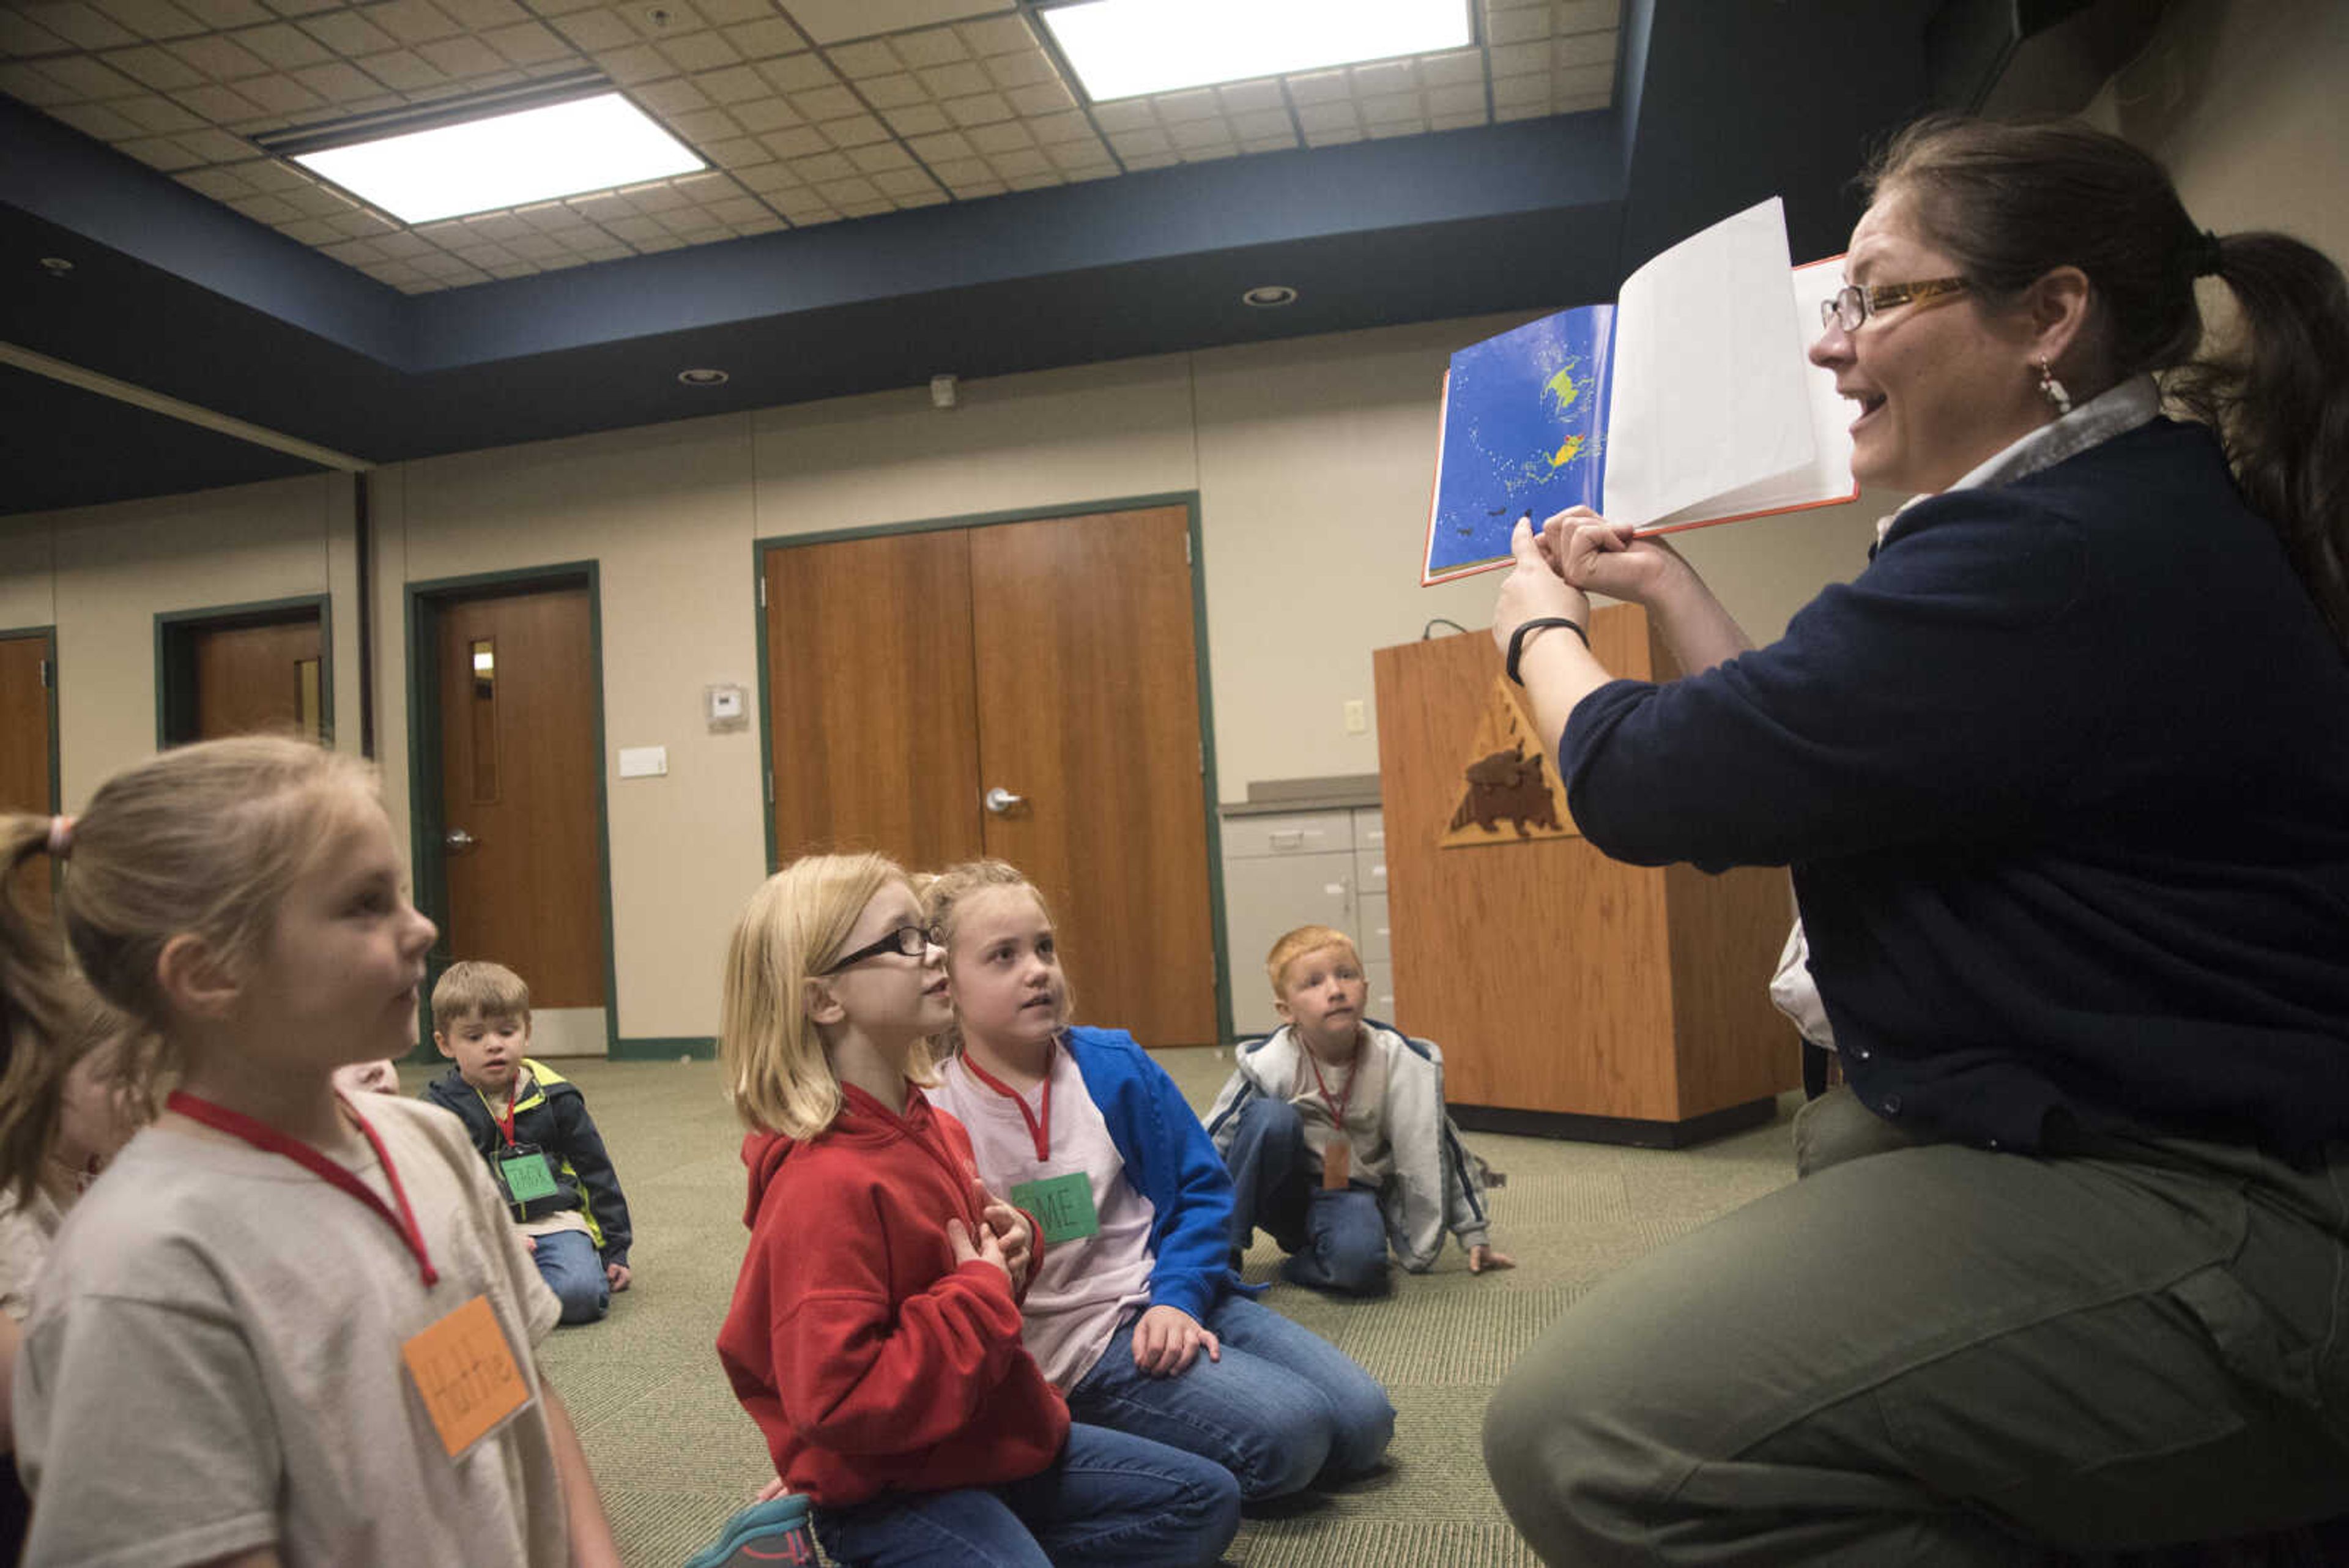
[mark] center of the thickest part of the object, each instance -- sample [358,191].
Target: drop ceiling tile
[739,153]
[1049,129]
[560,7]
[1448,70]
[1132,144]
[82,27]
[354,251]
[268,174]
[311,231]
[934,197]
[1315,117]
[402,71]
[414,21]
[1504,113]
[1006,136]
[594,30]
[1320,86]
[739,210]
[1388,109]
[916,120]
[856,131]
[348,33]
[798,141]
[1020,70]
[1068,155]
[155,116]
[961,172]
[1513,92]
[486,256]
[359,221]
[319,202]
[20,35]
[767,177]
[1465,99]
[1580,103]
[765,38]
[215,146]
[675,95]
[900,183]
[1211,151]
[823,166]
[941,148]
[223,59]
[1517,26]
[540,248]
[159,152]
[280,94]
[1199,103]
[980,109]
[938,46]
[1336,136]
[879,157]
[1150,160]
[636,230]
[603,208]
[499,228]
[1384,76]
[687,222]
[636,63]
[1460,121]
[1193,134]
[1517,59]
[1247,98]
[551,218]
[528,44]
[219,184]
[997,36]
[222,14]
[956,80]
[798,73]
[827,103]
[650,198]
[28,85]
[1577,82]
[1585,15]
[1415,126]
[704,126]
[154,68]
[462,57]
[894,90]
[1127,114]
[263,209]
[699,52]
[765,114]
[219,105]
[734,84]
[345,86]
[481,15]
[1584,50]
[720,13]
[301,7]
[869,58]
[1263,123]
[848,192]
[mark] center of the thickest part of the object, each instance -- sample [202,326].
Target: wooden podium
[1574,996]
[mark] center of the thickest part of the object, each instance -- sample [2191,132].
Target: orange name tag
[466,1372]
[1337,1163]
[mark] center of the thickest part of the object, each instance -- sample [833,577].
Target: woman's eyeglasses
[912,941]
[1852,305]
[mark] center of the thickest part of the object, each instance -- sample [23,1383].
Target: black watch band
[1517,638]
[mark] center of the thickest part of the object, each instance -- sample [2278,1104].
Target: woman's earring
[2052,390]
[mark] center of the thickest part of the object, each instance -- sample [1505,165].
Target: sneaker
[766,1533]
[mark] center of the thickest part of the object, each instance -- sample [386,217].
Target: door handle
[1001,801]
[457,840]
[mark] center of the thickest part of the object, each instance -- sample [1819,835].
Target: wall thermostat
[726,706]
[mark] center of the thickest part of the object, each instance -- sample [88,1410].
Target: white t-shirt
[212,1364]
[1361,1087]
[25,1231]
[1083,1287]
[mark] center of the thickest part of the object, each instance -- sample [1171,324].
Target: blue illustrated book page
[1524,431]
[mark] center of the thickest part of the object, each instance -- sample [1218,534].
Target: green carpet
[675,1455]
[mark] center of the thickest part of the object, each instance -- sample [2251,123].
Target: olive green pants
[1928,1353]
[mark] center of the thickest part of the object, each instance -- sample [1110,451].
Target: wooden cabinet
[1573,995]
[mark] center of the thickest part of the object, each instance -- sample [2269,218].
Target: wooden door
[872,723]
[523,851]
[252,680]
[24,746]
[908,674]
[1089,711]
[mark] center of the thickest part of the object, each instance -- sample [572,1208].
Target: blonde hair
[943,896]
[474,988]
[794,926]
[202,841]
[1299,942]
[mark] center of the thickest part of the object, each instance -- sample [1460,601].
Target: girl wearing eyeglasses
[2062,777]
[874,1331]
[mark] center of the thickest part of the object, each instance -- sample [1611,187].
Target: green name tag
[526,1177]
[1064,1205]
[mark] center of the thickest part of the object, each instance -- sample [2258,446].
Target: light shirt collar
[2110,413]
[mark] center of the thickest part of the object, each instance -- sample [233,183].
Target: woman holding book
[2063,780]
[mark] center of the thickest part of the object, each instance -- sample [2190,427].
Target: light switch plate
[644,762]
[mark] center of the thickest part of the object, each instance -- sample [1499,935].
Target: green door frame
[421,619]
[175,673]
[1209,793]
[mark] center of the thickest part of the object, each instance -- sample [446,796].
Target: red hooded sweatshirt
[870,1361]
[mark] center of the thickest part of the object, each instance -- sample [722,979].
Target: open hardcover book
[1687,401]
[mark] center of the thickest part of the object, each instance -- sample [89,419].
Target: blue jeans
[1109,1499]
[567,1260]
[1283,1407]
[1337,1240]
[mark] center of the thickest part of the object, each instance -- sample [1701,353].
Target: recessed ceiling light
[1121,49]
[533,153]
[703,377]
[1269,295]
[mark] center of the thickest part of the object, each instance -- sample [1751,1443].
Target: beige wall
[1312,460]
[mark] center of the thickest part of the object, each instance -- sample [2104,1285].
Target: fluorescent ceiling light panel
[506,160]
[1121,49]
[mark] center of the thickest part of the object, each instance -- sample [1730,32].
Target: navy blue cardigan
[2063,778]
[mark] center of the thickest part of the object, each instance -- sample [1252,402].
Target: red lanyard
[506,1125]
[1038,1129]
[1337,1102]
[269,1140]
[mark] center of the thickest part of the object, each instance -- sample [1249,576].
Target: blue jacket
[1170,1162]
[2064,777]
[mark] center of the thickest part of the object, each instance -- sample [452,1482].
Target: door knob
[458,840]
[1000,801]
